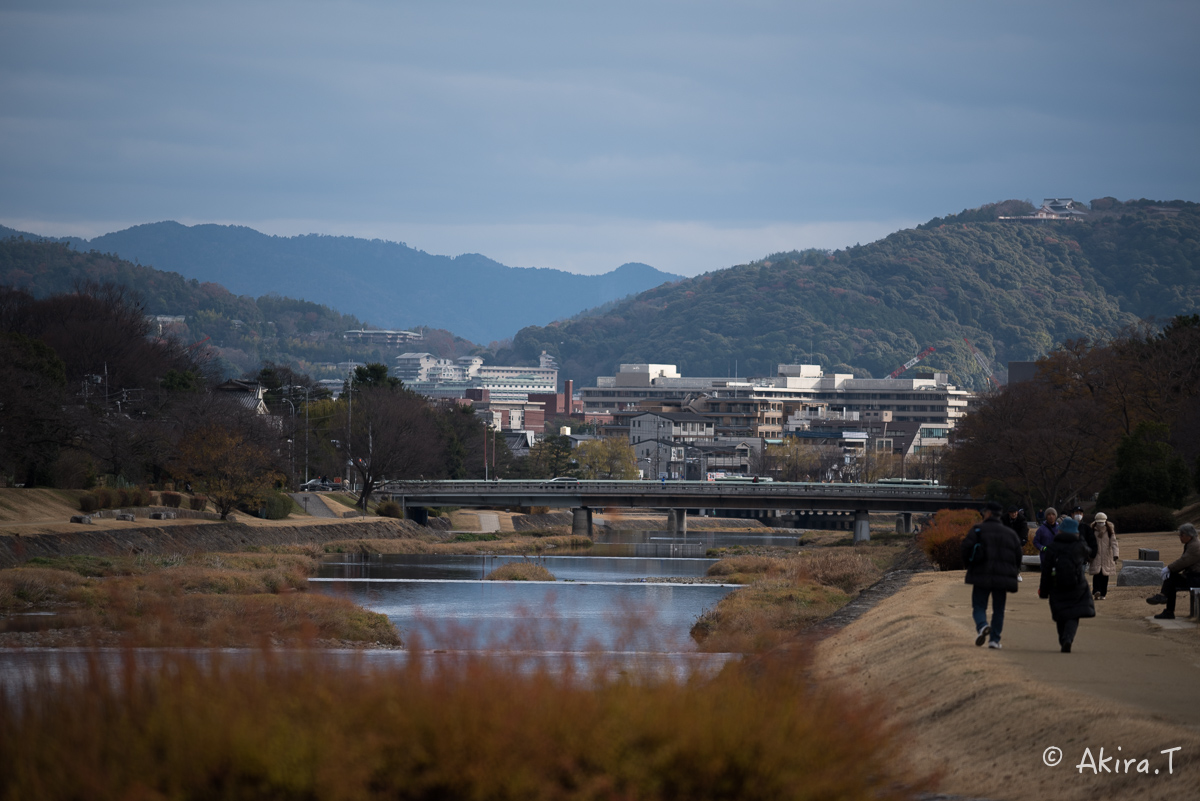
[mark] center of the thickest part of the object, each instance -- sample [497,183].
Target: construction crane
[195,345]
[896,373]
[982,361]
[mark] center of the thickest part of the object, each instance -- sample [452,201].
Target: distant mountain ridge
[1014,289]
[386,283]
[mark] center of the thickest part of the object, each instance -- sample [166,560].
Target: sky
[687,135]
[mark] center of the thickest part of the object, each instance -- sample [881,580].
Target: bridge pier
[418,514]
[862,526]
[581,522]
[906,522]
[677,521]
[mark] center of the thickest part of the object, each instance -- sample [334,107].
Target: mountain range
[387,284]
[1012,288]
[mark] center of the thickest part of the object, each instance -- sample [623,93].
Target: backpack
[978,553]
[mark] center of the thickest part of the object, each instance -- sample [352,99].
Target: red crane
[896,373]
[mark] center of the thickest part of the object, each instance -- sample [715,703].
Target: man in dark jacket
[1182,574]
[1064,581]
[992,554]
[1014,518]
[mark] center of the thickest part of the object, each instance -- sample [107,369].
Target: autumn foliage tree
[228,464]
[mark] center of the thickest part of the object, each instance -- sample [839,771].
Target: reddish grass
[222,600]
[941,540]
[303,728]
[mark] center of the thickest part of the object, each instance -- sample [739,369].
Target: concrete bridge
[677,497]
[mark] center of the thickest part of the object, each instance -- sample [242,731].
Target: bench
[162,515]
[1031,562]
[126,516]
[81,519]
[1195,605]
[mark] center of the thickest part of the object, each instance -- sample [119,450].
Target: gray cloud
[543,116]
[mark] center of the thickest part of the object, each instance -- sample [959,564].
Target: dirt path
[984,718]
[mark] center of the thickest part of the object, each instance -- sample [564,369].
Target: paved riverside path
[984,718]
[314,504]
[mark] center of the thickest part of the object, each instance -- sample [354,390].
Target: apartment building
[759,407]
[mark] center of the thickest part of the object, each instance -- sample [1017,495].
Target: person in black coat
[1014,518]
[992,554]
[1064,582]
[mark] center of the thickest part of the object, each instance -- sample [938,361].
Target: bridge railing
[650,488]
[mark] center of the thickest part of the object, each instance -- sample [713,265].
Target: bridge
[677,497]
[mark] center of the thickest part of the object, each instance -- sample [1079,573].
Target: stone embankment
[194,537]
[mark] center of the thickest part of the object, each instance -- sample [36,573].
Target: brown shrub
[390,509]
[172,499]
[88,502]
[269,727]
[104,497]
[520,571]
[941,540]
[198,503]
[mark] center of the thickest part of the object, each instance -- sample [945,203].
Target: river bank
[984,719]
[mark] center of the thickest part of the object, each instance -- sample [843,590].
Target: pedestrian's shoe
[1096,596]
[1165,616]
[1066,647]
[981,635]
[1102,598]
[1154,600]
[994,644]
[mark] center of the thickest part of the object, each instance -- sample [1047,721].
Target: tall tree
[387,434]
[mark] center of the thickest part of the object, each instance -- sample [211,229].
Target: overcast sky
[687,135]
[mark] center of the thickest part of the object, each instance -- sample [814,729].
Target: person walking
[992,554]
[1064,583]
[1182,574]
[1014,518]
[1108,551]
[1045,533]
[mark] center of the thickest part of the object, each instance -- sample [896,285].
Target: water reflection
[611,603]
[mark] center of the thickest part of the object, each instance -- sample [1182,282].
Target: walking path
[314,504]
[985,718]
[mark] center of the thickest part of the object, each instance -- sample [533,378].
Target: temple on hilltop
[1054,208]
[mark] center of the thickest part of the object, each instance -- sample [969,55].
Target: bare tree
[388,434]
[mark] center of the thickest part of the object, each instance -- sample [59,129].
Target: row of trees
[88,393]
[1117,419]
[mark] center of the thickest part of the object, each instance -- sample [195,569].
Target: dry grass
[270,728]
[204,600]
[520,571]
[764,614]
[784,595]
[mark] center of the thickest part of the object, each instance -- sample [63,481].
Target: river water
[600,601]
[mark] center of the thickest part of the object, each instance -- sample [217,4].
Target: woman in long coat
[1064,583]
[1108,551]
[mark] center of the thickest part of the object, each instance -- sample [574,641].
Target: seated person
[1182,574]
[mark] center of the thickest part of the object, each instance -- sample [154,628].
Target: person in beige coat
[1104,563]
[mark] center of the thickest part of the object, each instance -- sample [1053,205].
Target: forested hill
[241,331]
[1014,289]
[388,283]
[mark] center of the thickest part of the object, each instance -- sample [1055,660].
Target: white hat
[1101,517]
